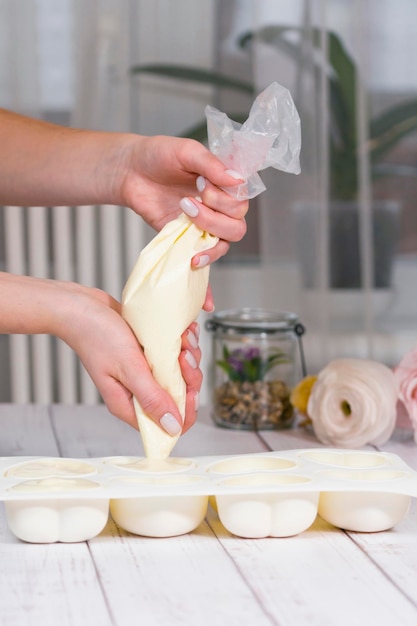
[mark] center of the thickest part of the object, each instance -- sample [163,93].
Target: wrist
[116,167]
[30,305]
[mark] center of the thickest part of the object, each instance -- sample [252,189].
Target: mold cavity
[54,485]
[42,468]
[364,476]
[238,465]
[347,459]
[153,466]
[156,480]
[264,480]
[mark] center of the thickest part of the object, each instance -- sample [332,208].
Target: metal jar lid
[254,319]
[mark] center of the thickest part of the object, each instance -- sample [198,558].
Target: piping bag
[164,294]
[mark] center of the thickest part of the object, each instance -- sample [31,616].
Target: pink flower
[406,377]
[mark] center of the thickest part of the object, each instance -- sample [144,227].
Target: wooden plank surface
[323,577]
[43,585]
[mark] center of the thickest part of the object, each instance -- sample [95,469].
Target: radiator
[96,246]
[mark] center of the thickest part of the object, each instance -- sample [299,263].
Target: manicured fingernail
[197,330]
[200,183]
[196,400]
[189,207]
[235,174]
[192,339]
[198,198]
[203,260]
[170,424]
[190,360]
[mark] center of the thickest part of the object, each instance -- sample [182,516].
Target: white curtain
[89,80]
[19,77]
[298,223]
[103,43]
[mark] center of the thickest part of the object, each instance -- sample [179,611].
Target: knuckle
[152,404]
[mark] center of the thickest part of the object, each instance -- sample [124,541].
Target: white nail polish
[190,360]
[188,207]
[200,183]
[170,424]
[192,338]
[196,400]
[203,260]
[235,174]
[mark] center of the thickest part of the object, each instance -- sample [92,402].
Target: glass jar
[257,360]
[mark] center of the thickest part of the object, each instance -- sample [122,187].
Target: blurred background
[337,244]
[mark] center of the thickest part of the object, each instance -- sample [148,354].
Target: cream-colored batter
[41,468]
[154,465]
[161,298]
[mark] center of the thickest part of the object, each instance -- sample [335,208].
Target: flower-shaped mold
[362,510]
[159,515]
[286,510]
[48,520]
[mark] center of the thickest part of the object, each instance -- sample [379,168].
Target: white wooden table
[323,577]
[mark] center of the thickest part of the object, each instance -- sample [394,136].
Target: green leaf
[226,368]
[194,74]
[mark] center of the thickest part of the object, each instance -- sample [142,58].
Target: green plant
[385,130]
[247,364]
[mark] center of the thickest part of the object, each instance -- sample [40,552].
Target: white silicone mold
[160,516]
[47,520]
[271,494]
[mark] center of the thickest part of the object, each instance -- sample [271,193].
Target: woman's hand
[114,359]
[89,321]
[49,165]
[163,175]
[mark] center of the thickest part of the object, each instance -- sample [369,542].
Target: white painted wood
[86,274]
[317,578]
[295,437]
[394,551]
[134,236]
[111,251]
[322,577]
[26,430]
[93,431]
[85,248]
[48,584]
[39,257]
[149,566]
[19,368]
[96,246]
[15,254]
[43,584]
[178,581]
[63,240]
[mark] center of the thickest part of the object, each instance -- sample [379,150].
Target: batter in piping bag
[164,293]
